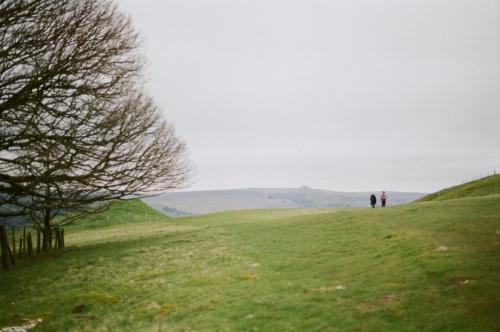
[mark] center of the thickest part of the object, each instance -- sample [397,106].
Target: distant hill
[200,202]
[488,185]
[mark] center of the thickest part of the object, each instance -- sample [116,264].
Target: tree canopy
[77,128]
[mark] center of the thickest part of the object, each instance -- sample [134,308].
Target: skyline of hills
[201,202]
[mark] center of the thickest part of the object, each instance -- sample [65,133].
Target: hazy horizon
[299,187]
[336,95]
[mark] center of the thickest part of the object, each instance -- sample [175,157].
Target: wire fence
[18,243]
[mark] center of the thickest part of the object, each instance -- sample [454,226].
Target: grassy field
[482,187]
[429,266]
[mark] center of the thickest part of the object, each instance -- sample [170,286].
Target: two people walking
[383,199]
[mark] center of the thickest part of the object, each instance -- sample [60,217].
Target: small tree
[77,131]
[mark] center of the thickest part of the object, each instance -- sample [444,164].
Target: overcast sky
[343,95]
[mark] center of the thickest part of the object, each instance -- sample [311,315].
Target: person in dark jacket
[373,200]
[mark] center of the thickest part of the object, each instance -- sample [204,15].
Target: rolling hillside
[201,202]
[489,185]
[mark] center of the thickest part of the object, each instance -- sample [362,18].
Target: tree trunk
[47,231]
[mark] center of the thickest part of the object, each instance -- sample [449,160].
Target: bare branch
[77,131]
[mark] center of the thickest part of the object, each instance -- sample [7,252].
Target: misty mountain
[200,202]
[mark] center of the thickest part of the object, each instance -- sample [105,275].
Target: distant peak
[305,188]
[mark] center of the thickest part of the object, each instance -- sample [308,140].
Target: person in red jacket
[383,198]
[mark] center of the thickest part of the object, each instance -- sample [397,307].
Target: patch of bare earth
[375,304]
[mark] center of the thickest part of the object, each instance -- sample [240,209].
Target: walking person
[383,198]
[373,200]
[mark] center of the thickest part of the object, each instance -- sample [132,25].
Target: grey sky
[342,95]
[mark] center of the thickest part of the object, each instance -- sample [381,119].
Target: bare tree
[76,129]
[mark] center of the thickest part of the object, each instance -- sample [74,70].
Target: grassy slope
[273,270]
[489,185]
[119,213]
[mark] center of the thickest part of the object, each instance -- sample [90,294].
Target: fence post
[13,241]
[49,233]
[5,248]
[24,240]
[56,240]
[58,237]
[38,240]
[30,245]
[20,248]
[62,238]
[59,245]
[11,256]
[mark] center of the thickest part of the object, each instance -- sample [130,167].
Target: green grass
[270,270]
[119,213]
[489,185]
